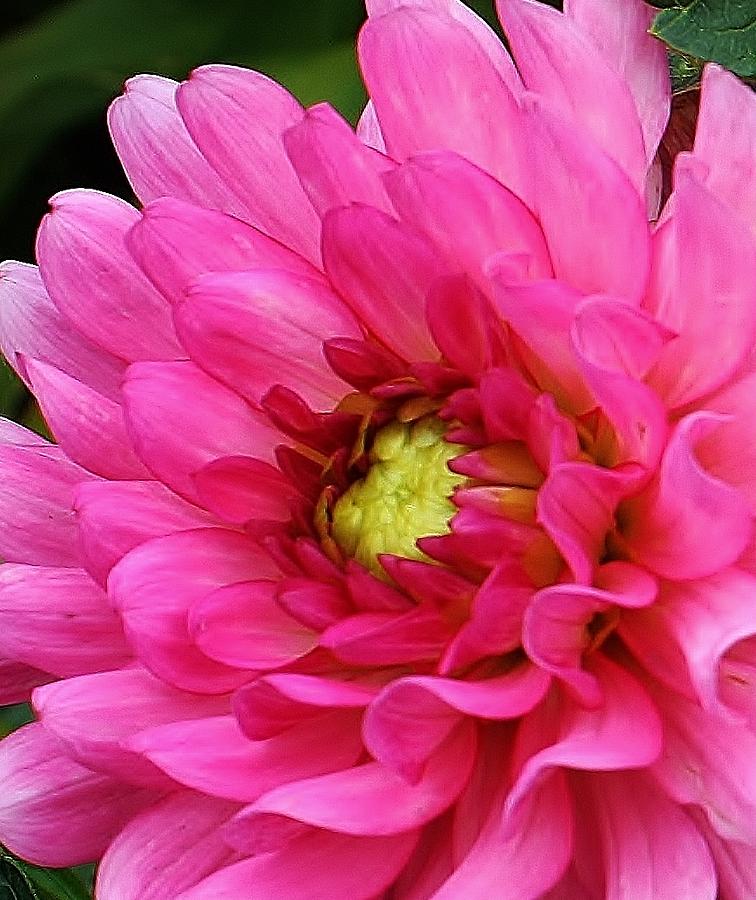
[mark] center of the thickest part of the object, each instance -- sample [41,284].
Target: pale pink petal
[92,279]
[175,242]
[333,165]
[180,419]
[736,863]
[252,330]
[465,105]
[237,118]
[155,585]
[669,526]
[166,849]
[58,620]
[32,325]
[215,757]
[559,62]
[54,812]
[156,152]
[87,425]
[368,129]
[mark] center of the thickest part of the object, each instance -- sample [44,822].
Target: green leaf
[21,881]
[719,30]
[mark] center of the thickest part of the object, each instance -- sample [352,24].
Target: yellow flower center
[404,496]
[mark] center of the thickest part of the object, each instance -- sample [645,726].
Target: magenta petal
[17,681]
[166,849]
[333,165]
[154,587]
[237,118]
[156,152]
[180,419]
[88,426]
[255,329]
[93,280]
[670,525]
[58,620]
[314,865]
[54,812]
[465,105]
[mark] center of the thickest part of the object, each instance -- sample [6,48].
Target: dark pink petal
[243,625]
[370,799]
[36,505]
[93,280]
[383,269]
[669,527]
[737,679]
[54,812]
[180,419]
[255,329]
[726,139]
[115,517]
[156,152]
[156,584]
[313,603]
[314,865]
[595,246]
[58,620]
[465,105]
[32,325]
[704,271]
[166,849]
[93,715]
[17,681]
[87,425]
[465,212]
[237,118]
[559,62]
[175,242]
[333,165]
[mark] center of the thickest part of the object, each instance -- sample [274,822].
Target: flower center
[404,495]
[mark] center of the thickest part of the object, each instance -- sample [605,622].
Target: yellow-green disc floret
[404,496]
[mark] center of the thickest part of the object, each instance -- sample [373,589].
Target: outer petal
[465,105]
[180,419]
[237,118]
[166,849]
[159,157]
[54,812]
[18,680]
[93,280]
[154,586]
[255,329]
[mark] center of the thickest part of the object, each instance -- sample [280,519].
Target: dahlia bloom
[397,541]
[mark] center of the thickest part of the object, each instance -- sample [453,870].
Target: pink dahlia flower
[398,538]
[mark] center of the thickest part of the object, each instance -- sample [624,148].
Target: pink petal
[92,279]
[465,105]
[36,505]
[32,325]
[155,585]
[58,620]
[252,330]
[595,246]
[725,140]
[669,526]
[214,756]
[313,866]
[180,419]
[559,62]
[334,167]
[237,118]
[174,243]
[115,517]
[735,861]
[54,812]
[88,426]
[156,152]
[705,268]
[370,799]
[243,625]
[465,212]
[166,849]
[368,130]
[383,270]
[17,681]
